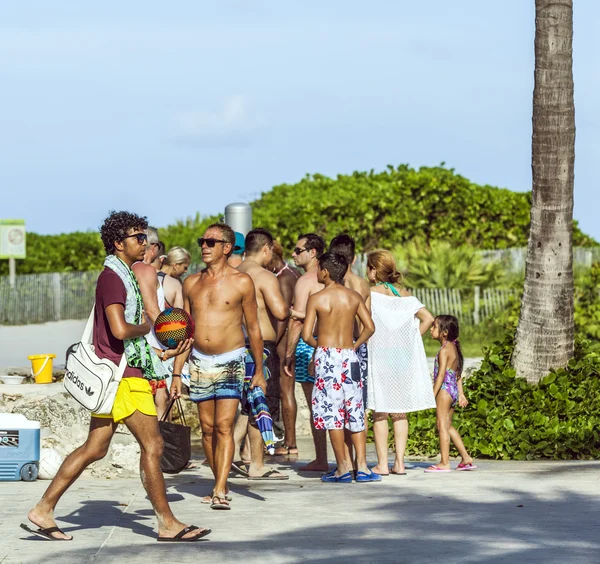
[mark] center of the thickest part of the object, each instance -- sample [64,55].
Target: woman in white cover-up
[398,374]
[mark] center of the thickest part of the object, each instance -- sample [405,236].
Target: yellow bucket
[41,367]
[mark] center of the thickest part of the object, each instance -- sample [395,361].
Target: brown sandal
[286,450]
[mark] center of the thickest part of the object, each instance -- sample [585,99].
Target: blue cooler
[19,447]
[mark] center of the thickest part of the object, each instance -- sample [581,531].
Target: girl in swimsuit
[448,391]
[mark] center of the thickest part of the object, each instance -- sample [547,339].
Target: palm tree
[545,334]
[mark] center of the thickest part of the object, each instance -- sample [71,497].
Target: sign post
[12,245]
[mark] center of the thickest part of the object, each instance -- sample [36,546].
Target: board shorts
[337,399]
[133,394]
[304,355]
[363,360]
[272,375]
[217,377]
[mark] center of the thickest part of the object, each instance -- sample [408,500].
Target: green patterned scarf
[139,353]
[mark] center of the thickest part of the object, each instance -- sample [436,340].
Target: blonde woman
[173,268]
[398,373]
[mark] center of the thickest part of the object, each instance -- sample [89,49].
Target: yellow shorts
[133,394]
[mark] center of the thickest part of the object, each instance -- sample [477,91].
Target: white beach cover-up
[398,373]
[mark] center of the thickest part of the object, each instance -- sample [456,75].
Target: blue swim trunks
[215,377]
[304,355]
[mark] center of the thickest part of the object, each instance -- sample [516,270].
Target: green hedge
[507,418]
[383,209]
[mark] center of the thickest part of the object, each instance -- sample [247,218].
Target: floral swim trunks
[337,398]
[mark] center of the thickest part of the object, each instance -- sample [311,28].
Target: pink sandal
[433,469]
[469,466]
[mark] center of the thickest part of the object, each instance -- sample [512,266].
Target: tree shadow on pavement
[408,527]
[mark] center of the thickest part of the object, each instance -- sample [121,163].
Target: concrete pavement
[503,512]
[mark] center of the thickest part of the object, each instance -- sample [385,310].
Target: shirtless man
[218,299]
[337,402]
[344,245]
[271,309]
[298,353]
[287,277]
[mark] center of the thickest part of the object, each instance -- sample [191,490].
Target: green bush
[587,304]
[507,418]
[383,209]
[444,265]
[67,252]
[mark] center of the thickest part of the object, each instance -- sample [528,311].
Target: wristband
[175,375]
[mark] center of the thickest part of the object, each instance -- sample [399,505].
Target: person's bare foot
[176,527]
[315,466]
[45,520]
[381,470]
[398,468]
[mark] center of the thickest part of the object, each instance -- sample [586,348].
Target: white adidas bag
[92,381]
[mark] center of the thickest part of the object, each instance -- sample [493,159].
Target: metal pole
[12,272]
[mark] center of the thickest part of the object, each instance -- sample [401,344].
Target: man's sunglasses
[141,237]
[209,242]
[298,251]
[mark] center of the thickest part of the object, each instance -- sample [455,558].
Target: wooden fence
[38,298]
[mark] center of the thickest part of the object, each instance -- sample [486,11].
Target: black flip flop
[240,468]
[45,533]
[397,473]
[179,536]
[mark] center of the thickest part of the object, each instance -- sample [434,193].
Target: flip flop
[433,469]
[469,466]
[270,475]
[370,477]
[179,536]
[221,503]
[331,478]
[240,468]
[45,533]
[207,499]
[286,450]
[397,473]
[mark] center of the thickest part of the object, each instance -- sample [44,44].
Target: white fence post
[56,294]
[477,290]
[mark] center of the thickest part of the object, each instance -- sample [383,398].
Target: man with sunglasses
[299,354]
[219,298]
[119,328]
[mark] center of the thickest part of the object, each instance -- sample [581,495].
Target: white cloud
[237,122]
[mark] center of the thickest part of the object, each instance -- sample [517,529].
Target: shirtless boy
[337,401]
[298,353]
[271,309]
[344,245]
[218,298]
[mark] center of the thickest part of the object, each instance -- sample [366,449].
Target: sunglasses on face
[209,242]
[298,251]
[141,237]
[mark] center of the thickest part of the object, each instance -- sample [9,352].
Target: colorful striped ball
[173,326]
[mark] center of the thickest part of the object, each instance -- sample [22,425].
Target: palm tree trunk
[545,334]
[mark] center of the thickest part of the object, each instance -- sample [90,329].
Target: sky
[169,109]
